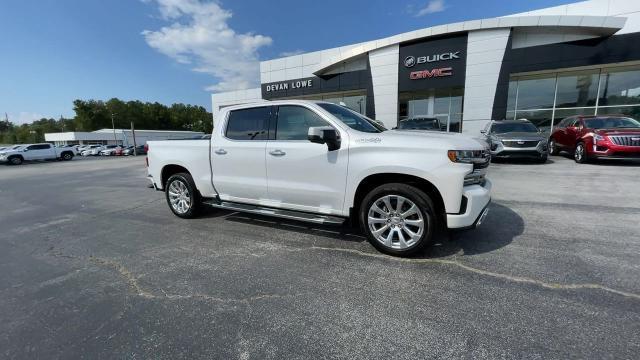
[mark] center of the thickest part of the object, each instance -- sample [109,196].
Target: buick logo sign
[409,61]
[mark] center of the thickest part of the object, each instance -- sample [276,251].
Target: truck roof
[274,102]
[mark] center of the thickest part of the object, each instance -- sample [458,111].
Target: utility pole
[113,126]
[133,133]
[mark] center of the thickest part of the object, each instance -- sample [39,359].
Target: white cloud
[291,53]
[432,7]
[199,35]
[23,117]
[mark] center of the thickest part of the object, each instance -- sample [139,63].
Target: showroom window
[548,98]
[443,104]
[354,100]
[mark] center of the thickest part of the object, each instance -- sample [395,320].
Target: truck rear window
[248,124]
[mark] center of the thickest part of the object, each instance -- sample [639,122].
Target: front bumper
[612,151]
[478,199]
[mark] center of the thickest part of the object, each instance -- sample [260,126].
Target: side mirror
[483,131]
[25,150]
[325,135]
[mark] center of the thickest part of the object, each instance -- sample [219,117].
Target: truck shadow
[499,229]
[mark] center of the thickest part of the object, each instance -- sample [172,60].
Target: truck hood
[519,136]
[9,152]
[425,139]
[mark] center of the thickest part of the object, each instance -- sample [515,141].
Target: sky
[55,51]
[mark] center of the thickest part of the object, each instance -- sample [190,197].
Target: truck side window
[294,122]
[248,124]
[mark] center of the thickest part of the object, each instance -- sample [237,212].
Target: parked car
[20,153]
[108,150]
[421,123]
[140,150]
[92,150]
[597,137]
[324,163]
[120,150]
[515,139]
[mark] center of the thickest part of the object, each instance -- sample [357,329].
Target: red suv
[601,136]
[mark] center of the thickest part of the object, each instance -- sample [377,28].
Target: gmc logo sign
[426,74]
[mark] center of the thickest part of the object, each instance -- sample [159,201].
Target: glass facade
[545,99]
[444,104]
[354,100]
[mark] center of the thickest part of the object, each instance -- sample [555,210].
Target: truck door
[302,175]
[37,152]
[237,157]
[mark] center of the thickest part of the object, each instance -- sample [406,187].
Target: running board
[285,214]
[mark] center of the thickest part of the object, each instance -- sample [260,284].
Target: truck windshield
[353,119]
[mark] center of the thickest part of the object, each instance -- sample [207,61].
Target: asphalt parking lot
[94,265]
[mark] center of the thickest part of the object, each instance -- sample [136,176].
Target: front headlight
[468,156]
[597,138]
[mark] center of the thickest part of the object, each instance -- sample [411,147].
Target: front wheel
[182,196]
[580,154]
[67,156]
[15,160]
[398,219]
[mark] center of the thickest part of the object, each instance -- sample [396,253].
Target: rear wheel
[398,219]
[67,156]
[182,195]
[580,154]
[553,148]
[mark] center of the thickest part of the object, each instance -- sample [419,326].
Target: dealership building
[542,65]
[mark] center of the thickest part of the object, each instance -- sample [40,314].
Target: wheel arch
[169,170]
[374,180]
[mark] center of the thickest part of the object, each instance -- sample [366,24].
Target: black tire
[553,147]
[580,154]
[66,156]
[543,159]
[16,160]
[424,206]
[195,200]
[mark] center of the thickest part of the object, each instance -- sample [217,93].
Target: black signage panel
[435,63]
[356,80]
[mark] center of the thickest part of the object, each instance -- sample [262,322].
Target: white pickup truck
[18,154]
[324,163]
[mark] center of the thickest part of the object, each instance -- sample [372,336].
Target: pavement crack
[130,279]
[517,279]
[132,282]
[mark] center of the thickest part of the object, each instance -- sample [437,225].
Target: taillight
[146,150]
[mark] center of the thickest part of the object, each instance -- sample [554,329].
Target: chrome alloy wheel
[395,222]
[179,197]
[579,153]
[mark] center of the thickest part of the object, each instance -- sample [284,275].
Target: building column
[485,52]
[384,77]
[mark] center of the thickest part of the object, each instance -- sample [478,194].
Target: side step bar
[285,214]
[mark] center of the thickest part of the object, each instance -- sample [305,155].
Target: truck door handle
[277,152]
[220,151]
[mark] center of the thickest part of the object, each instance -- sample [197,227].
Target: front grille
[626,140]
[520,143]
[484,163]
[476,177]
